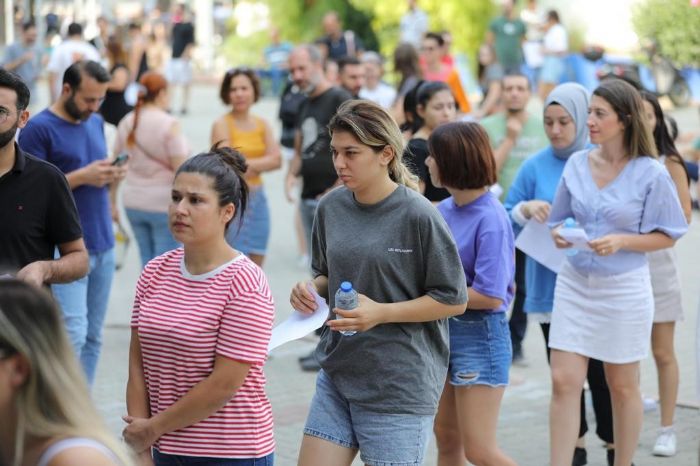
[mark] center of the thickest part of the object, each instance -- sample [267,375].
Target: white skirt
[608,318]
[666,285]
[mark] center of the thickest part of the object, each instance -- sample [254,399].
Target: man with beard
[351,73]
[515,135]
[37,211]
[70,135]
[312,161]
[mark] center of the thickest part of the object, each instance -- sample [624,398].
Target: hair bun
[231,157]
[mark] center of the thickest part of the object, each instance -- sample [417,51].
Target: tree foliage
[674,25]
[376,22]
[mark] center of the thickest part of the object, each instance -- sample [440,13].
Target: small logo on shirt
[400,250]
[20,208]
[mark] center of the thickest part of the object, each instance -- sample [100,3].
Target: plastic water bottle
[346,299]
[570,223]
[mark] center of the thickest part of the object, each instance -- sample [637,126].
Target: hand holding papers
[577,237]
[536,241]
[299,324]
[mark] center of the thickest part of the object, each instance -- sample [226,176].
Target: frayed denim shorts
[383,439]
[480,349]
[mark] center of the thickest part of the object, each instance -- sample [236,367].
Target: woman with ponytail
[379,233]
[666,283]
[156,148]
[201,324]
[47,416]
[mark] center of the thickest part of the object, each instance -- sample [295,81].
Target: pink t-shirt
[150,177]
[183,322]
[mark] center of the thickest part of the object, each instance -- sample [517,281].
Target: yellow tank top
[250,143]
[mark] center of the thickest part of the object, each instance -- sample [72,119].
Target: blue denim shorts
[162,459]
[254,232]
[480,349]
[383,439]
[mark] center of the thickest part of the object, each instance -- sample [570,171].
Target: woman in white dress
[665,284]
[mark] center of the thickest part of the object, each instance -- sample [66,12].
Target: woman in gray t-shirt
[378,389]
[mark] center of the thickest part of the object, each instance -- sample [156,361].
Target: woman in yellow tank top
[254,138]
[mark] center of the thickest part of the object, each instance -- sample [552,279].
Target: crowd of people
[412,193]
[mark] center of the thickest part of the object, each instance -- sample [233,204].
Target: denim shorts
[252,235]
[480,349]
[162,459]
[383,439]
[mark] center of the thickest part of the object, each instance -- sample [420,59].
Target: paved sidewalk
[523,428]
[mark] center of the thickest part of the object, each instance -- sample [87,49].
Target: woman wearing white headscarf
[530,197]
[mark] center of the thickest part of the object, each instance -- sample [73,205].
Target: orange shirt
[250,143]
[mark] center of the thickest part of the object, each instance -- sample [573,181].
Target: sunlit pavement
[523,426]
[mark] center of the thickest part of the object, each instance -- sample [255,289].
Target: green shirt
[532,139]
[508,35]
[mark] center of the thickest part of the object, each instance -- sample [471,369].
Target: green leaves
[674,24]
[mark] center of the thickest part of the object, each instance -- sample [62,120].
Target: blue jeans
[162,459]
[84,305]
[384,439]
[480,351]
[252,235]
[152,233]
[307,208]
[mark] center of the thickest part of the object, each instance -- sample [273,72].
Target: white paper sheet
[299,324]
[536,241]
[577,237]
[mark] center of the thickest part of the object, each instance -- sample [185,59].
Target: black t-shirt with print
[317,171]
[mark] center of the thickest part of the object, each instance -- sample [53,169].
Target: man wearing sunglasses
[37,211]
[70,135]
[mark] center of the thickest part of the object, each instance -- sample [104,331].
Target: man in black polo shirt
[37,211]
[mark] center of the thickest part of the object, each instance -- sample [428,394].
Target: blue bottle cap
[346,286]
[569,223]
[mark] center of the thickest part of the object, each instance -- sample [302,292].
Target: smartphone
[120,159]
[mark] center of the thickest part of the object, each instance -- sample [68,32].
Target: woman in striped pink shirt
[201,324]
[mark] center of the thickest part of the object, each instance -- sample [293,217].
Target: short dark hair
[10,80]
[517,74]
[75,29]
[436,37]
[225,89]
[463,155]
[226,167]
[27,25]
[74,74]
[553,15]
[347,61]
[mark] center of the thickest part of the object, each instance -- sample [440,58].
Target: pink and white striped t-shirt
[183,322]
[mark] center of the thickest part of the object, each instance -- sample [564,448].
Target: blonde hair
[54,401]
[373,126]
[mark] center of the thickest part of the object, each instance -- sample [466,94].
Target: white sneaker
[665,443]
[650,404]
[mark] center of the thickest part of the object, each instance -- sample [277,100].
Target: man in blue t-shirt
[70,135]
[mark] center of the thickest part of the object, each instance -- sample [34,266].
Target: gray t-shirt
[29,70]
[396,250]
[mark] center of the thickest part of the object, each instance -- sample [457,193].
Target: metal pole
[204,31]
[9,22]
